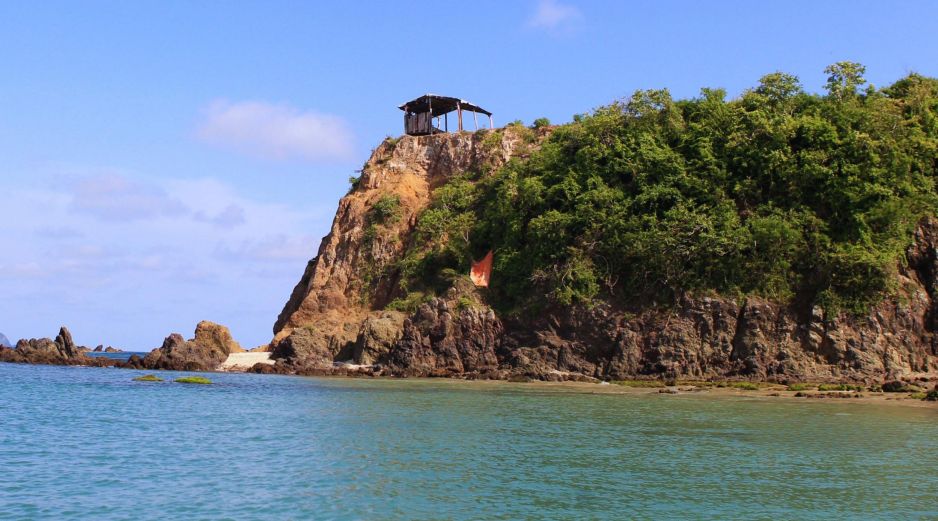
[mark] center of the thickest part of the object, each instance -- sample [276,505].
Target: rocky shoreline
[208,349]
[212,349]
[201,353]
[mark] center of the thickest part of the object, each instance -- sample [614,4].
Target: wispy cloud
[275,131]
[229,217]
[116,197]
[277,247]
[554,16]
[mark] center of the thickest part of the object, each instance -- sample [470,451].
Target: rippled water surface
[88,443]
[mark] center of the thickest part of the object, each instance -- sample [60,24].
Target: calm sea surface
[88,443]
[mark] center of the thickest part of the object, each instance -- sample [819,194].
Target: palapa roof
[441,105]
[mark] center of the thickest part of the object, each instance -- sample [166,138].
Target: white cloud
[273,131]
[224,254]
[116,197]
[277,247]
[552,15]
[226,219]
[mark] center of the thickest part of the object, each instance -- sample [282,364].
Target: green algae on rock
[148,378]
[193,380]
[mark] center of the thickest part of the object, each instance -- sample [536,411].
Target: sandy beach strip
[244,361]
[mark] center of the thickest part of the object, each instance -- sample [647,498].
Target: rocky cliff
[336,318]
[346,286]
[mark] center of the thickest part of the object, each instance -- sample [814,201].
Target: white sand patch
[244,361]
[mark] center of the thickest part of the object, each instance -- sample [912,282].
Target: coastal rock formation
[337,312]
[101,349]
[378,335]
[445,339]
[205,352]
[342,285]
[61,351]
[43,349]
[65,344]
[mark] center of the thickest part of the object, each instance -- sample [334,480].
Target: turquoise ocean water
[89,443]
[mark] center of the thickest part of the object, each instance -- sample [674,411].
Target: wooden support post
[446,122]
[430,118]
[491,122]
[475,117]
[459,115]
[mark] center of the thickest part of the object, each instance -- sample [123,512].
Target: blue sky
[167,162]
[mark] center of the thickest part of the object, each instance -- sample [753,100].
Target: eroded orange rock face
[336,293]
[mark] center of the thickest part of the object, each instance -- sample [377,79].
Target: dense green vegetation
[779,193]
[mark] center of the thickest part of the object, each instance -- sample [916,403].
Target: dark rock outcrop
[46,351]
[307,346]
[134,362]
[61,351]
[65,343]
[377,337]
[445,339]
[205,352]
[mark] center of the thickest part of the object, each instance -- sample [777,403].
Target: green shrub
[465,302]
[640,383]
[387,209]
[541,123]
[148,378]
[408,303]
[745,386]
[801,387]
[840,387]
[201,380]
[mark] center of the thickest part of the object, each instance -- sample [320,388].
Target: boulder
[216,336]
[205,352]
[377,336]
[306,346]
[134,362]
